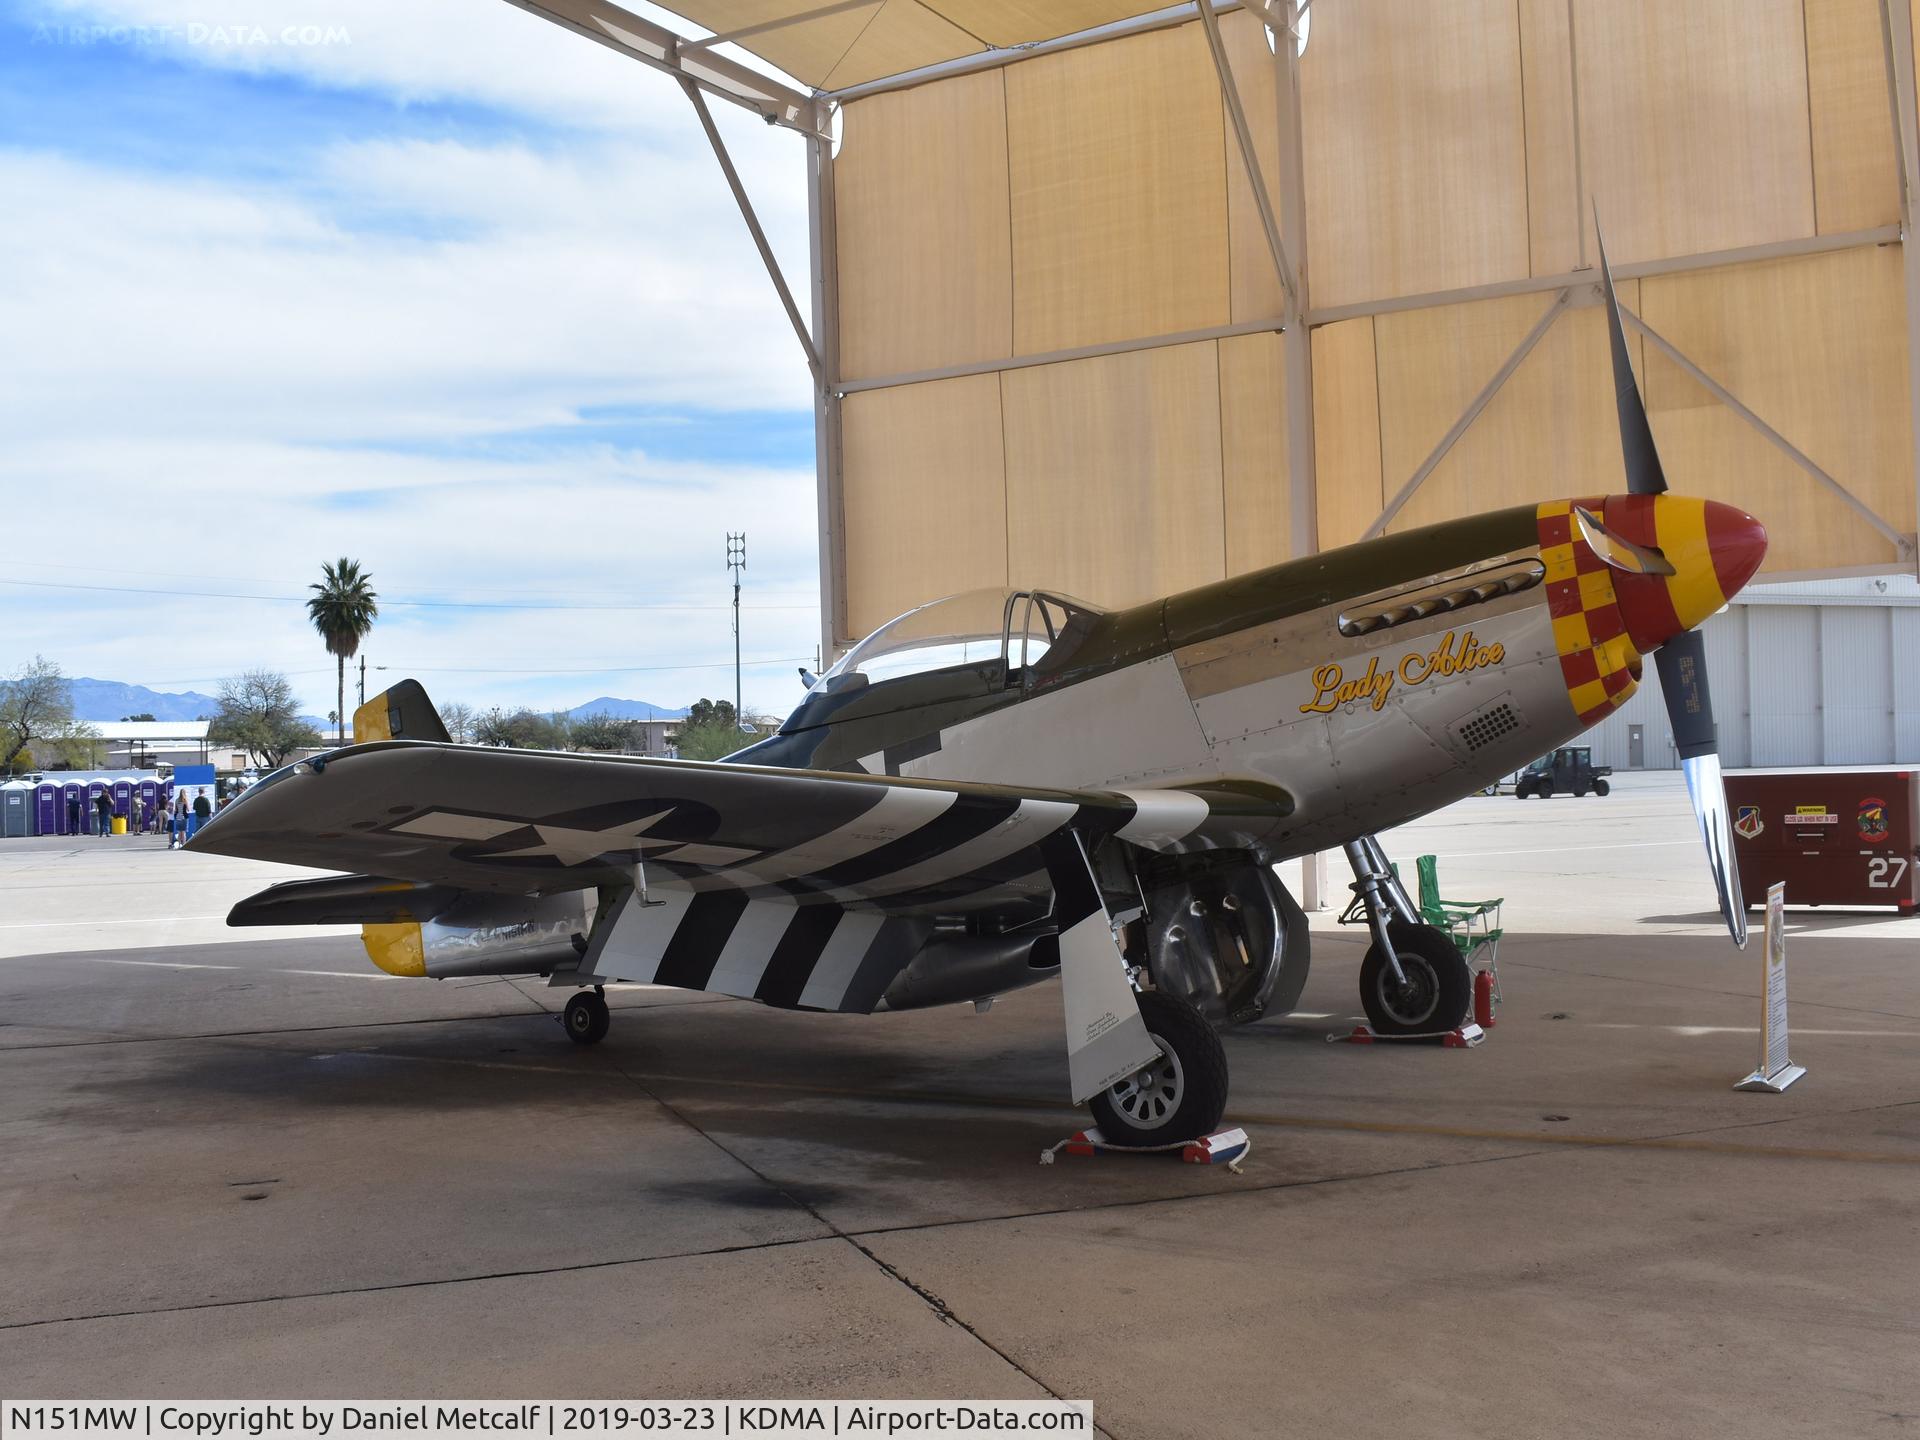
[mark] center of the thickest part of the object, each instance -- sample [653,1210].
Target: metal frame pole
[1903,547]
[1470,414]
[828,454]
[1896,29]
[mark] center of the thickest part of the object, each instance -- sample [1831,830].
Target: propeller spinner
[1677,561]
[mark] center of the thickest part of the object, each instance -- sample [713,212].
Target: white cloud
[231,380]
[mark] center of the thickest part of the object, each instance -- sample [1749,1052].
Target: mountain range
[110,700]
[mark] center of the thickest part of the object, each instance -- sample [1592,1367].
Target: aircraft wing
[524,822]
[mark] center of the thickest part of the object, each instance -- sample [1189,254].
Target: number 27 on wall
[1884,872]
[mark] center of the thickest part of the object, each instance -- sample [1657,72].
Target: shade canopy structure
[1116,298]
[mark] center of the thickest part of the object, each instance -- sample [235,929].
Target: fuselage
[1358,688]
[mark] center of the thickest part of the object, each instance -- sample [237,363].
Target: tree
[37,704]
[520,729]
[258,715]
[601,731]
[710,731]
[343,611]
[458,719]
[136,719]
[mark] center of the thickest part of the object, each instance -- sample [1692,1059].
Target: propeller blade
[1618,551]
[1682,663]
[1644,475]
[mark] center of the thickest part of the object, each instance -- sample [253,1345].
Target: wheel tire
[1521,792]
[586,1018]
[1177,1098]
[1439,989]
[1600,787]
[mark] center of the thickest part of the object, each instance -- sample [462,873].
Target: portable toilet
[89,809]
[16,809]
[123,803]
[73,808]
[149,793]
[46,807]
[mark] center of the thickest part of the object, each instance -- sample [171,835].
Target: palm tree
[342,610]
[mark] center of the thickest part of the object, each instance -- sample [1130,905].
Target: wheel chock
[1464,1037]
[1222,1147]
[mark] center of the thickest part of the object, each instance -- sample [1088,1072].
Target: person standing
[202,811]
[103,807]
[179,825]
[73,812]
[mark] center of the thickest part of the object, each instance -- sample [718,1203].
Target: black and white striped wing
[519,822]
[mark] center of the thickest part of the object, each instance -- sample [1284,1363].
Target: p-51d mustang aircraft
[997,788]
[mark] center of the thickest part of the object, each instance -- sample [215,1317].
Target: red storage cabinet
[1835,837]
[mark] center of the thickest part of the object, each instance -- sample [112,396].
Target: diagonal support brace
[1256,180]
[1470,414]
[753,225]
[1902,545]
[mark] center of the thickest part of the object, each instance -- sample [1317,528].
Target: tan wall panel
[1550,432]
[1253,451]
[1817,347]
[926,500]
[1855,175]
[807,51]
[926,263]
[1018,22]
[1346,430]
[1415,166]
[1693,119]
[1113,474]
[903,35]
[1554,202]
[1255,284]
[1119,192]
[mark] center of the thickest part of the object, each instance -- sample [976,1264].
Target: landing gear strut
[1414,980]
[586,1017]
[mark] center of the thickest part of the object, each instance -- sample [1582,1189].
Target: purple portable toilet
[123,801]
[46,808]
[149,792]
[73,801]
[90,816]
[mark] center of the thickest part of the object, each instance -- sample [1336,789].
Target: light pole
[736,562]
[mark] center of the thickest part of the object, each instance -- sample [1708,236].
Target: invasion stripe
[899,812]
[699,938]
[1162,817]
[632,944]
[840,960]
[969,818]
[1031,822]
[750,947]
[793,958]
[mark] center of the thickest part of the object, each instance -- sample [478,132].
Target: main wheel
[1438,989]
[1177,1097]
[586,1018]
[1600,787]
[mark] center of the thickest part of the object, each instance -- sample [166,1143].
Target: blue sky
[445,288]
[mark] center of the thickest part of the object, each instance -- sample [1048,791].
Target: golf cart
[1569,769]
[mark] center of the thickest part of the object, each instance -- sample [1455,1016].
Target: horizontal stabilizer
[343,900]
[400,712]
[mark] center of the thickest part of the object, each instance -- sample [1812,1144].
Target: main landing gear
[1176,1097]
[586,1017]
[1414,980]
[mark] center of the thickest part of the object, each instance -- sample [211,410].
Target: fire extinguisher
[1483,999]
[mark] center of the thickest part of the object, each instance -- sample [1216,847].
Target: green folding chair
[1472,925]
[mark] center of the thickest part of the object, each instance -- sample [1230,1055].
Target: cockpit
[974,643]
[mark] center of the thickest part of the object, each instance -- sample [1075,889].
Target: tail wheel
[586,1018]
[1176,1097]
[1438,989]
